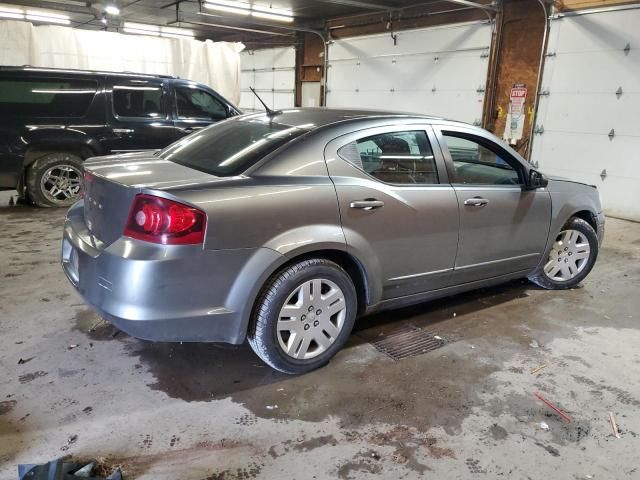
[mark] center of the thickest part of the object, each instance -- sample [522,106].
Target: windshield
[229,148]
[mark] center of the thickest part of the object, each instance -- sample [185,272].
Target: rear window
[46,97]
[229,148]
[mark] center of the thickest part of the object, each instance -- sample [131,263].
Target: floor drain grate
[410,342]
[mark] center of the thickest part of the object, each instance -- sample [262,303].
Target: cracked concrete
[198,411]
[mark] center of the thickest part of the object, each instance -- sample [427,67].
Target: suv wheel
[55,180]
[571,258]
[303,316]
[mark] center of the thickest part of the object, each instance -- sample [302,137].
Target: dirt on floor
[72,384]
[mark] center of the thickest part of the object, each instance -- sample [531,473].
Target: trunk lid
[115,180]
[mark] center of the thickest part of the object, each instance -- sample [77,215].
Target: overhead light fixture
[271,16]
[224,8]
[175,32]
[258,11]
[8,12]
[33,15]
[111,10]
[156,31]
[48,17]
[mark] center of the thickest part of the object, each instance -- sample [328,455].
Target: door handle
[121,131]
[368,204]
[476,202]
[190,129]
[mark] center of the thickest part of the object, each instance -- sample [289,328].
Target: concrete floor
[204,412]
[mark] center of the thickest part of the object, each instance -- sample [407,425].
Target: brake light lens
[159,220]
[86,179]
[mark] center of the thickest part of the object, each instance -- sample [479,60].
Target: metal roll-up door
[272,73]
[588,123]
[439,71]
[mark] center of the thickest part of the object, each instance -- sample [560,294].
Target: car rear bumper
[600,230]
[165,293]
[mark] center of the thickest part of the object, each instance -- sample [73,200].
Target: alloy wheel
[311,318]
[568,257]
[61,183]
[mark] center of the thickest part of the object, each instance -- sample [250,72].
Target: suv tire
[576,240]
[55,179]
[289,330]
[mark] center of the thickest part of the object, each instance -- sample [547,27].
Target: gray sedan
[283,227]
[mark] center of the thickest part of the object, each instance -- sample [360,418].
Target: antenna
[270,113]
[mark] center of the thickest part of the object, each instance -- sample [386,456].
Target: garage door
[271,72]
[589,116]
[438,71]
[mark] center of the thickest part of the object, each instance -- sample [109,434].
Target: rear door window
[139,99]
[196,103]
[229,148]
[402,158]
[46,97]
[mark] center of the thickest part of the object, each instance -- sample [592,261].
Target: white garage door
[591,115]
[438,71]
[272,73]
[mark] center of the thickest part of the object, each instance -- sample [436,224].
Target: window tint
[397,157]
[46,97]
[140,100]
[230,148]
[476,164]
[194,103]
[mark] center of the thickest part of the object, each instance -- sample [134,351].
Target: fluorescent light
[4,8]
[222,8]
[242,8]
[44,14]
[271,16]
[175,32]
[11,15]
[142,26]
[276,11]
[228,3]
[47,19]
[112,10]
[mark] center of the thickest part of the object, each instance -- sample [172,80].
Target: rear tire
[303,316]
[55,180]
[571,258]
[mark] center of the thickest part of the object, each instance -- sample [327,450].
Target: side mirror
[536,180]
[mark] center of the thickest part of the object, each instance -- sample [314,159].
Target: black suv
[51,120]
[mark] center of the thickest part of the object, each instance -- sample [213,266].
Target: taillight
[86,178]
[159,220]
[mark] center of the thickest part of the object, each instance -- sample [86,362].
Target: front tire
[303,316]
[55,180]
[571,258]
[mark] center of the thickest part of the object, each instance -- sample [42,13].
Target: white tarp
[216,64]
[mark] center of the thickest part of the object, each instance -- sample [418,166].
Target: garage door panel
[570,113]
[596,72]
[595,32]
[268,70]
[574,153]
[582,78]
[436,71]
[439,39]
[437,104]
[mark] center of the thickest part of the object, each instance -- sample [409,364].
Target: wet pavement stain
[6,406]
[29,377]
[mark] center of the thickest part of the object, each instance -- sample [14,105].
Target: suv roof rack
[83,72]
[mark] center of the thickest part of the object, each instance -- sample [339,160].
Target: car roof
[29,68]
[316,117]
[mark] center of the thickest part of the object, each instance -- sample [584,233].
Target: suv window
[476,164]
[140,100]
[396,157]
[229,148]
[47,97]
[195,103]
